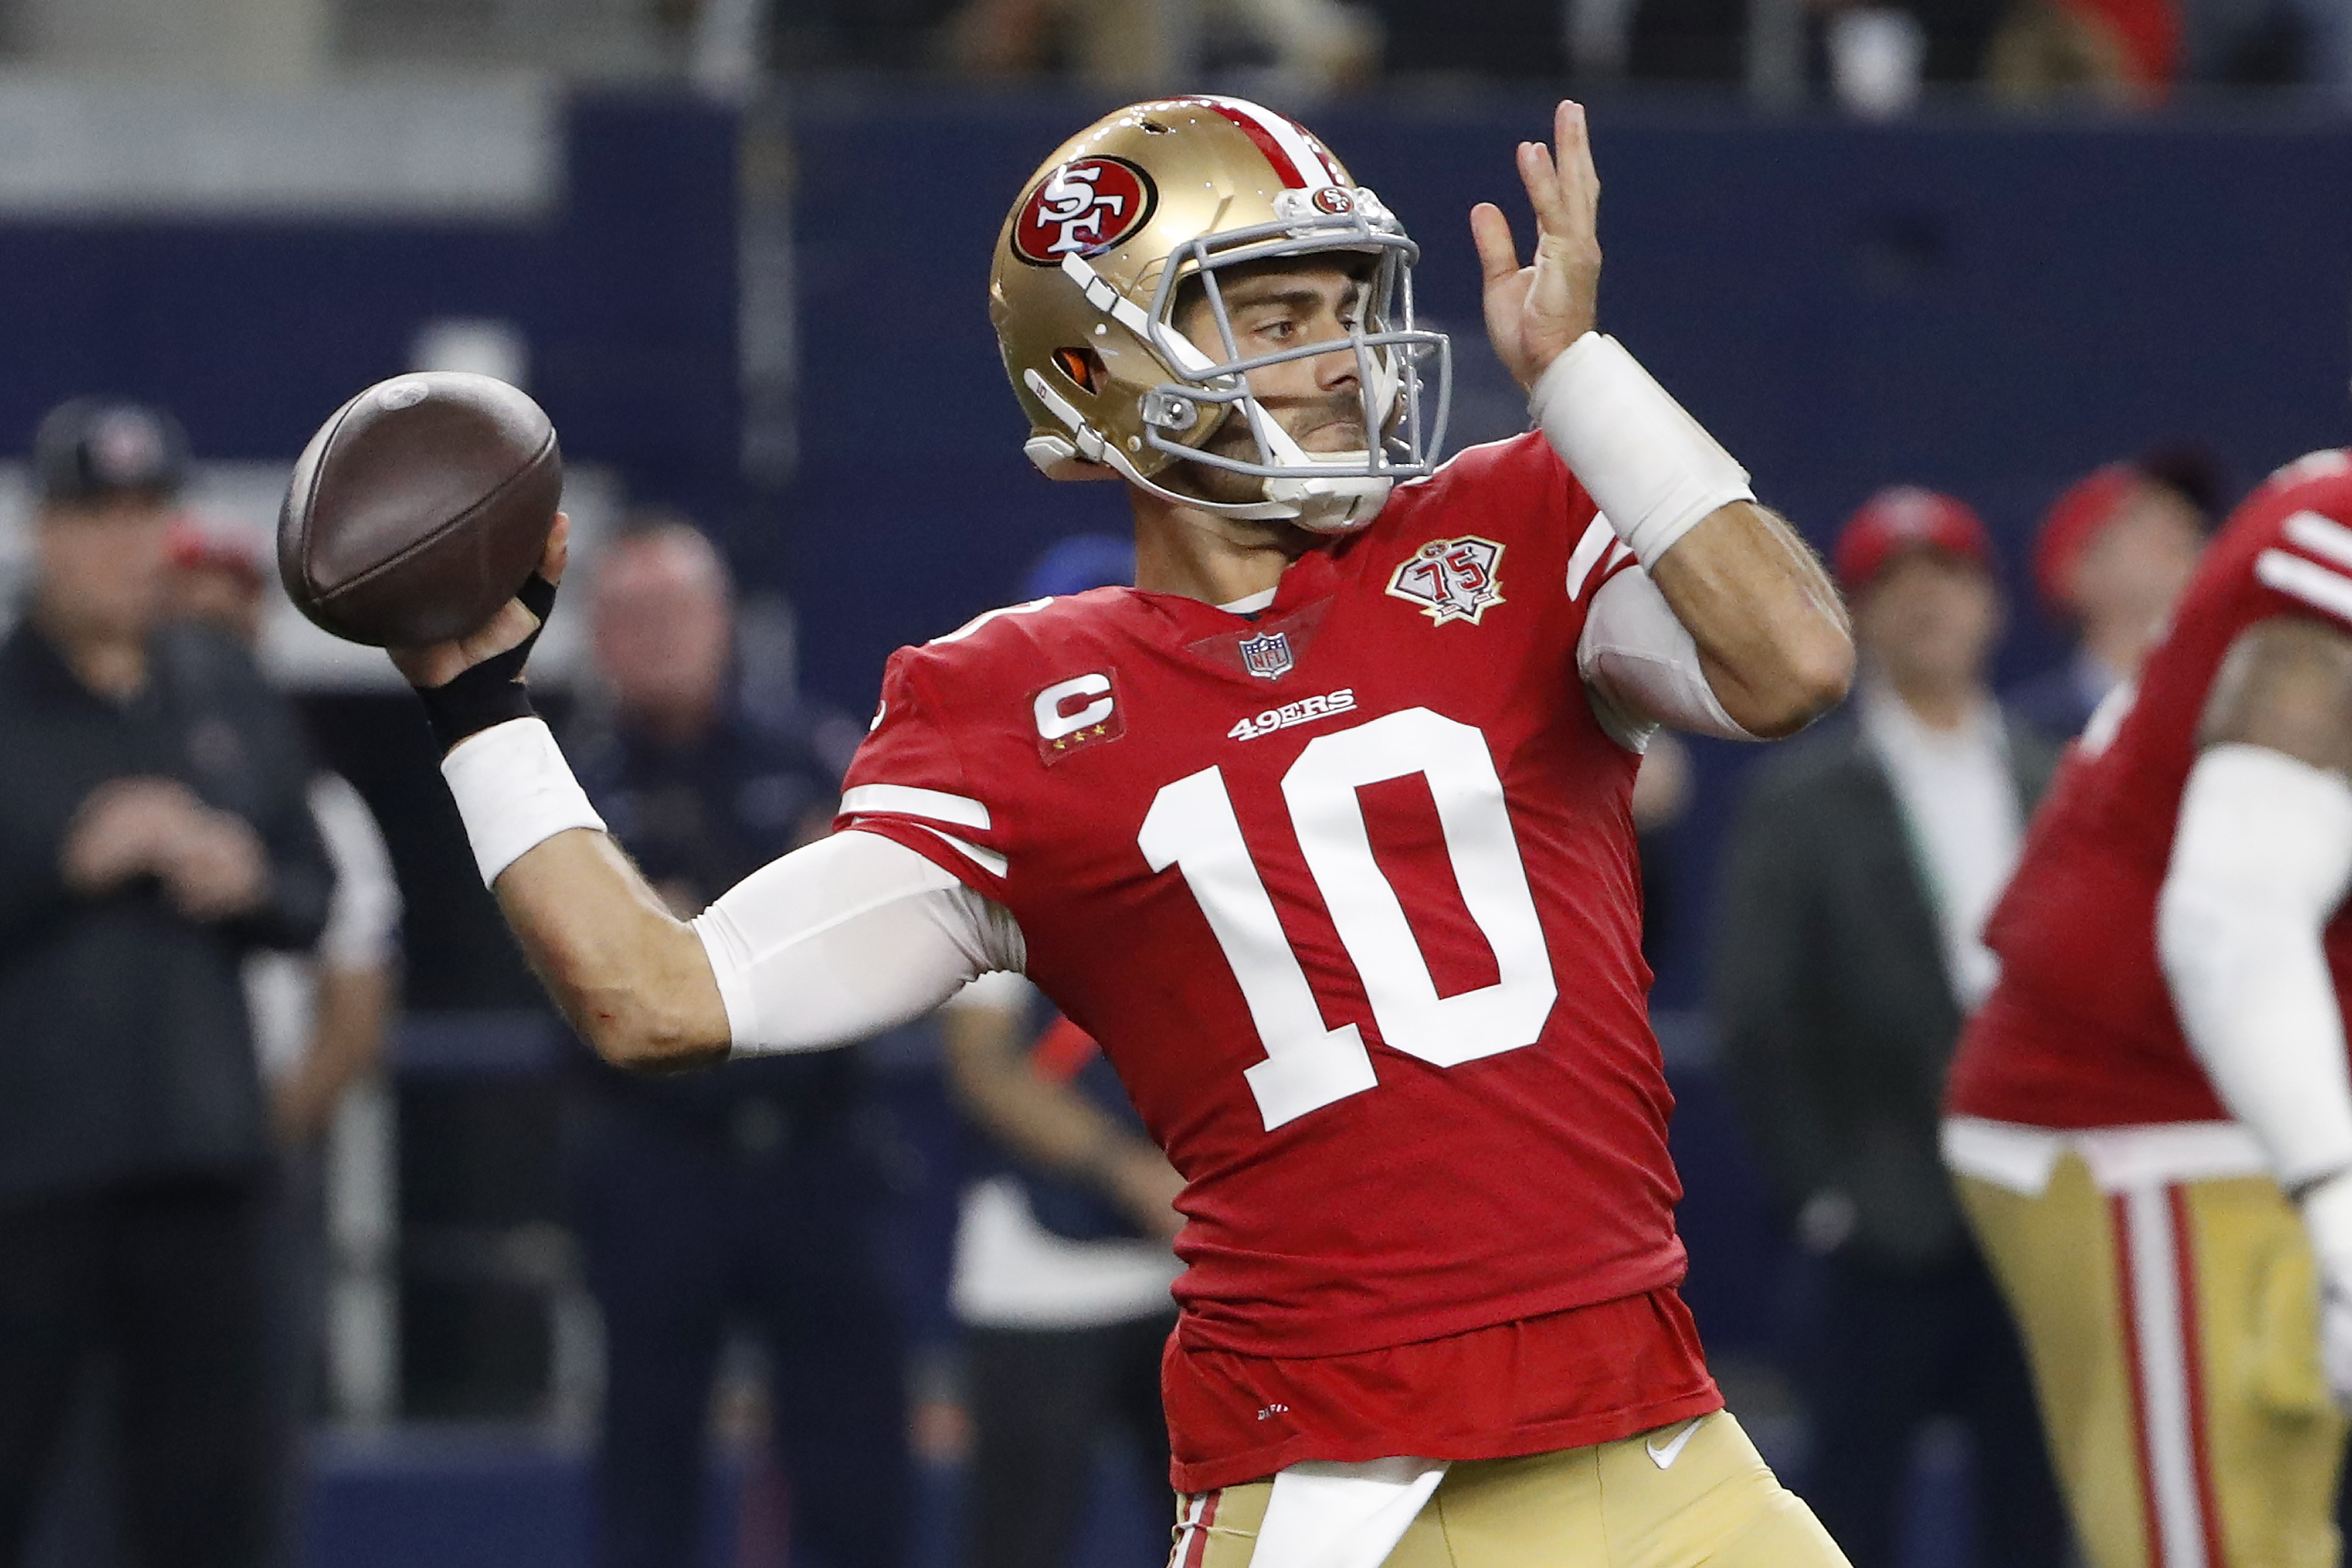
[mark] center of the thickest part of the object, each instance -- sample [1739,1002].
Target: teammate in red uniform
[2158,1083]
[1322,830]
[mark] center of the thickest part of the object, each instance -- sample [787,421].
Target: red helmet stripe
[1283,142]
[1284,169]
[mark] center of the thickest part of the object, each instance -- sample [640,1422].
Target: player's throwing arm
[422,518]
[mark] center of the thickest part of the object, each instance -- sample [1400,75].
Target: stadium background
[762,300]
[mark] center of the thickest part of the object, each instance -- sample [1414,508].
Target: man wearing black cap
[152,829]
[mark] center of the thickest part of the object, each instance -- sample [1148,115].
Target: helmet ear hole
[1082,367]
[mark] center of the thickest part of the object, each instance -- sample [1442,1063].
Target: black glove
[492,691]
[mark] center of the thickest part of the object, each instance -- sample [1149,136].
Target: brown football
[419,509]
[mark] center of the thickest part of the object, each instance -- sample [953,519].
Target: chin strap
[1320,504]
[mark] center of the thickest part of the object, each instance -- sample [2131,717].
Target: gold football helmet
[1086,286]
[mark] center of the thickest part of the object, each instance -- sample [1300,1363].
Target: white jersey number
[1191,827]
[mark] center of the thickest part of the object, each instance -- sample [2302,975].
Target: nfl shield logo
[1268,654]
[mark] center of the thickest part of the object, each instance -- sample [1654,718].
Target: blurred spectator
[1063,1270]
[319,1017]
[1661,793]
[1519,40]
[884,34]
[1063,1265]
[2126,52]
[1708,40]
[1152,46]
[1862,866]
[2114,555]
[153,829]
[748,1190]
[2267,43]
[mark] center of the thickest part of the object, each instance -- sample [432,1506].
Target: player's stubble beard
[1319,425]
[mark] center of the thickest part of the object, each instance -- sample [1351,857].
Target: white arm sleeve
[2260,862]
[1642,668]
[845,937]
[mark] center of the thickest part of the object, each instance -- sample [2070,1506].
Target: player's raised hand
[437,664]
[1534,312]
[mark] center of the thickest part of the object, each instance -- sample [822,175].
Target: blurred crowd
[199,967]
[1875,57]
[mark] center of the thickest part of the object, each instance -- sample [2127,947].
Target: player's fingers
[559,549]
[507,630]
[1542,180]
[1490,231]
[1580,182]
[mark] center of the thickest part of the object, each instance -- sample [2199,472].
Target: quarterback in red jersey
[1322,829]
[2150,1118]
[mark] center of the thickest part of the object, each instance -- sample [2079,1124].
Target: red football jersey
[1347,892]
[2080,1031]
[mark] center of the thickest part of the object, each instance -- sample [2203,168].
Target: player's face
[1317,399]
[1929,620]
[2135,570]
[104,567]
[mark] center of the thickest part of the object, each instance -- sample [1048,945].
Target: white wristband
[1648,466]
[514,791]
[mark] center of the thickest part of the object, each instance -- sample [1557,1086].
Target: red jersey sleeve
[908,782]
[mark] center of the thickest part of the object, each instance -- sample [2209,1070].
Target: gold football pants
[2173,1333]
[1608,1506]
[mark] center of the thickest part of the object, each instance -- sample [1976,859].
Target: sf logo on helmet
[1083,208]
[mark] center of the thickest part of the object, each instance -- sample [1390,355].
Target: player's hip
[1690,1491]
[1560,1380]
[2033,1054]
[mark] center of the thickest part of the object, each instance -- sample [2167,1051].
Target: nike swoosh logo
[1664,1458]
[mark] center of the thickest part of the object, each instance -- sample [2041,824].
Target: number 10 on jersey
[1192,827]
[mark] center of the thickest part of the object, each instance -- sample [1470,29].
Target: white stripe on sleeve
[2301,578]
[988,860]
[2321,535]
[905,800]
[1598,537]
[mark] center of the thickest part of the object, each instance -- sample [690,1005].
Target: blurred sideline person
[1431,1312]
[1129,44]
[2150,1117]
[320,1017]
[153,831]
[1062,1266]
[749,1192]
[1062,1276]
[1860,875]
[2114,552]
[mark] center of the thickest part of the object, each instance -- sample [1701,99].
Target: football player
[2151,1124]
[1322,830]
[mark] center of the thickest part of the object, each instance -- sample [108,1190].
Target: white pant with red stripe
[2170,1308]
